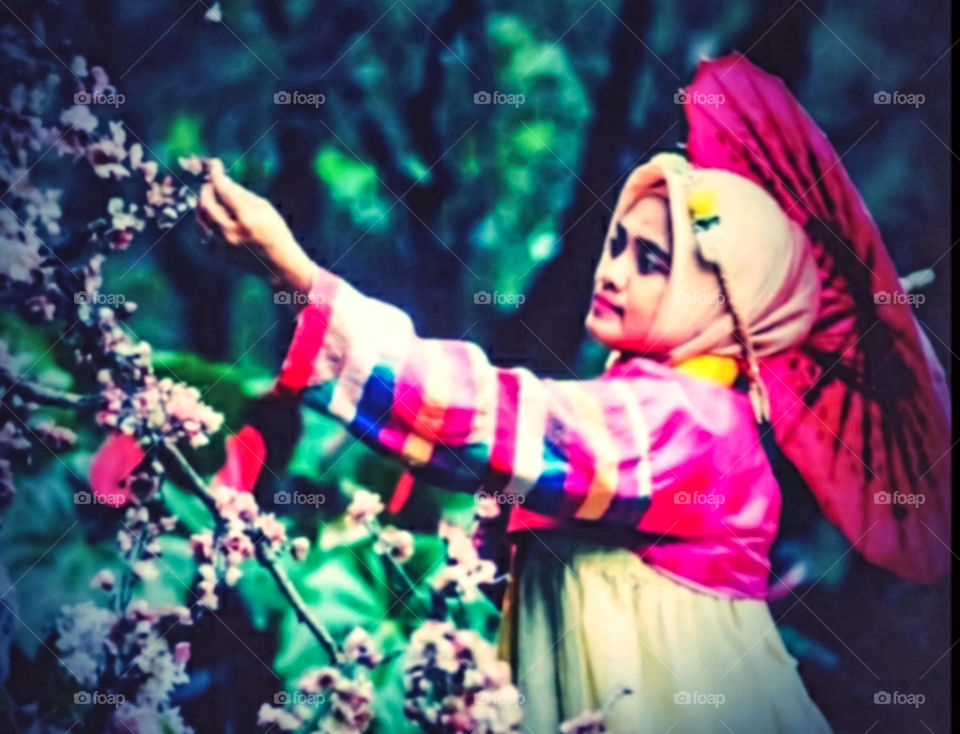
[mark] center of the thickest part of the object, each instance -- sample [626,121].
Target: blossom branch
[33,392]
[198,487]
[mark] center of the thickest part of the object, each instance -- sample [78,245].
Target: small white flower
[365,507]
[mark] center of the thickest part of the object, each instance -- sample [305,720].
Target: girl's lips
[603,304]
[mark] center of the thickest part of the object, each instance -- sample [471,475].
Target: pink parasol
[861,407]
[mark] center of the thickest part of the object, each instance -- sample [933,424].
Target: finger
[231,194]
[212,209]
[202,220]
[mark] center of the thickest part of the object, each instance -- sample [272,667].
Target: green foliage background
[419,196]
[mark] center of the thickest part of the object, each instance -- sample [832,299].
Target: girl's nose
[613,272]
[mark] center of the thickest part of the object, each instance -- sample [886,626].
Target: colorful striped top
[667,459]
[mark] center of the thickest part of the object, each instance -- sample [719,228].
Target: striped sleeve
[572,449]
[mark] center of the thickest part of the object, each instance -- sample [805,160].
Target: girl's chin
[605,330]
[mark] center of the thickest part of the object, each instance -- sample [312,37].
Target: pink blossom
[181,652]
[19,249]
[101,82]
[454,682]
[159,194]
[79,117]
[208,586]
[103,580]
[364,507]
[299,548]
[319,680]
[281,718]
[137,163]
[202,545]
[105,154]
[360,648]
[146,570]
[396,543]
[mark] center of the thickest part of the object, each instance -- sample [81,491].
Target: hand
[249,222]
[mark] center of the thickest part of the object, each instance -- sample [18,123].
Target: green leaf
[354,187]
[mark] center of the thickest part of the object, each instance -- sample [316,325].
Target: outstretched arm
[569,448]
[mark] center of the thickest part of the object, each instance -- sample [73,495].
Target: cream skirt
[582,621]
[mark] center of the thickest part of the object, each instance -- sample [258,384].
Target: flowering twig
[199,488]
[168,454]
[291,594]
[42,395]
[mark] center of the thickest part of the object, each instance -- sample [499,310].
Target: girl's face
[631,276]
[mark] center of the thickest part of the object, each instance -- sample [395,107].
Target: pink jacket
[641,448]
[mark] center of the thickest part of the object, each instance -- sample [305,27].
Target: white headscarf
[768,272]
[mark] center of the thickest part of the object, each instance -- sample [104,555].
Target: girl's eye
[618,243]
[651,258]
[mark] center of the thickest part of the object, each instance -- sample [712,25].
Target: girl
[647,498]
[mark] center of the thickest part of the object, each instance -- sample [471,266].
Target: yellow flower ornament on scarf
[703,209]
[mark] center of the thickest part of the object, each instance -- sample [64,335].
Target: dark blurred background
[402,183]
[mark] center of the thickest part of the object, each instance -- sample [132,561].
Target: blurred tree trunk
[546,332]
